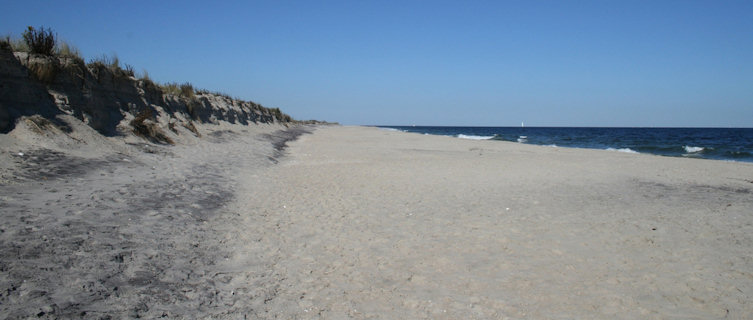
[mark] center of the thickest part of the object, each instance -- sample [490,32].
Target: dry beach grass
[354,222]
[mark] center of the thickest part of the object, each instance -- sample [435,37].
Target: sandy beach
[365,223]
[374,223]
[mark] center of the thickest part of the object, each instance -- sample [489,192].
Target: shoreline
[358,222]
[695,143]
[384,224]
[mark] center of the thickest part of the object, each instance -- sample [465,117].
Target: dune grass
[43,41]
[35,41]
[40,41]
[112,63]
[143,126]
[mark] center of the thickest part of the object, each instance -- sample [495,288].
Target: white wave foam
[472,137]
[390,129]
[690,149]
[626,150]
[522,139]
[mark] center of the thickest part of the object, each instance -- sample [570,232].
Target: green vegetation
[280,116]
[129,70]
[145,76]
[14,44]
[68,51]
[148,83]
[217,93]
[99,62]
[43,41]
[111,63]
[186,90]
[43,45]
[40,41]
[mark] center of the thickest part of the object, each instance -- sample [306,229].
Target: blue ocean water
[707,143]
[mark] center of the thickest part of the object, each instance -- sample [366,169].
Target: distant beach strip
[732,144]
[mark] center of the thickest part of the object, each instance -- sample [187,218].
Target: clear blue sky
[496,63]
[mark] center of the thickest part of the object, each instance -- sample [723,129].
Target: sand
[381,224]
[114,228]
[357,223]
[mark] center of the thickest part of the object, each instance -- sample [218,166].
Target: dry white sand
[100,229]
[368,223]
[365,223]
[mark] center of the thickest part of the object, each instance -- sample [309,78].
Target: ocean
[733,144]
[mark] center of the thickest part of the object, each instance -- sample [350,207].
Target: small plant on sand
[281,117]
[143,126]
[66,50]
[40,41]
[129,70]
[101,62]
[187,93]
[144,76]
[148,83]
[39,124]
[170,88]
[224,95]
[19,45]
[186,90]
[112,63]
[216,93]
[119,72]
[192,128]
[5,43]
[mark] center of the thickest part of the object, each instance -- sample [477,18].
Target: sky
[474,63]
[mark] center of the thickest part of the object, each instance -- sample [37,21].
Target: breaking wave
[705,143]
[626,150]
[690,149]
[472,137]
